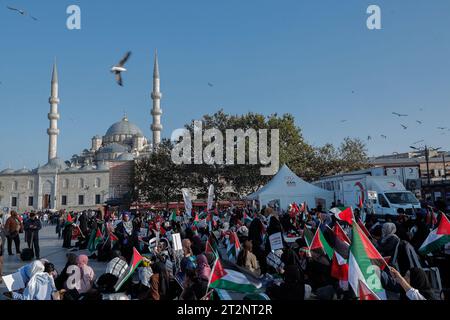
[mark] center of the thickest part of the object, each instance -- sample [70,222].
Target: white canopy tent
[286,187]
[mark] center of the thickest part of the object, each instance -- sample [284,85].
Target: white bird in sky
[120,67]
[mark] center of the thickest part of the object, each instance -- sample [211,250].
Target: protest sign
[276,241]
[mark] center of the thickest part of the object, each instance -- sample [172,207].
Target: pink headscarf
[82,260]
[203,268]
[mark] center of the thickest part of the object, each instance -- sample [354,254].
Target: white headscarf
[387,231]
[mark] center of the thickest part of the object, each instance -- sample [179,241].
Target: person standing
[32,227]
[12,229]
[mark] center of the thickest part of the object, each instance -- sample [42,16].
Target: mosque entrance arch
[47,191]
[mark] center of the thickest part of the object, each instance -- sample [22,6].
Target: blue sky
[301,57]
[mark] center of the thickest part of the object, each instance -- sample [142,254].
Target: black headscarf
[418,280]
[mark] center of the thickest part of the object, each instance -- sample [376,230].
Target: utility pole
[445,166]
[427,159]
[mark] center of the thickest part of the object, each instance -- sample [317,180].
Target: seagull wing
[125,59]
[34,18]
[13,9]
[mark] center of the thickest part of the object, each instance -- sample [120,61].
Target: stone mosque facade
[89,179]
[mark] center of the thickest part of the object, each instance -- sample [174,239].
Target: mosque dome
[125,157]
[113,148]
[123,127]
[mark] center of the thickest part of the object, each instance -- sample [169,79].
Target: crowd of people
[240,238]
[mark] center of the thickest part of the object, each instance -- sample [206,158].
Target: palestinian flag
[232,279]
[234,246]
[431,217]
[113,238]
[343,214]
[319,243]
[365,265]
[340,233]
[293,210]
[135,262]
[95,239]
[247,218]
[69,220]
[339,263]
[365,293]
[196,219]
[308,236]
[339,267]
[364,229]
[212,245]
[173,216]
[437,238]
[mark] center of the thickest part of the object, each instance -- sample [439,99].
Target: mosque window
[15,186]
[14,202]
[30,185]
[30,201]
[80,200]
[64,200]
[98,182]
[66,183]
[81,183]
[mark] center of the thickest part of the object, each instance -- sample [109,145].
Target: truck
[379,193]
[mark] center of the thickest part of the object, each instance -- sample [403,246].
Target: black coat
[32,227]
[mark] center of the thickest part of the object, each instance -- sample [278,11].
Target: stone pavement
[51,249]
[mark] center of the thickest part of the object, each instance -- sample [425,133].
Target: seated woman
[87,274]
[415,283]
[41,285]
[247,259]
[62,278]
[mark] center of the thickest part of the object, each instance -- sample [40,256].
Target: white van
[384,194]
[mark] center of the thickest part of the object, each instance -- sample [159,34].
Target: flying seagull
[442,128]
[419,122]
[369,138]
[399,114]
[383,136]
[418,141]
[22,12]
[210,84]
[342,121]
[404,127]
[119,68]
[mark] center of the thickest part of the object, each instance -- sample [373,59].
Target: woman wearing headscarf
[203,268]
[293,287]
[247,259]
[188,261]
[87,274]
[389,240]
[62,278]
[159,282]
[124,231]
[415,283]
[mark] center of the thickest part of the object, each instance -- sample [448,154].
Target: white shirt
[414,294]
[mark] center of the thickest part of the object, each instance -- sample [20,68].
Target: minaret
[156,111]
[53,116]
